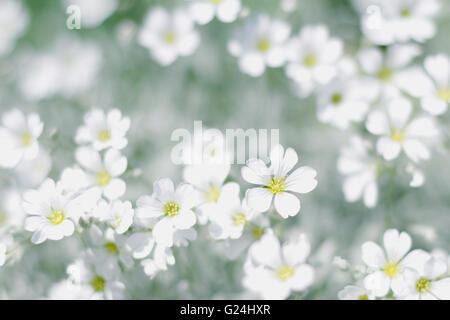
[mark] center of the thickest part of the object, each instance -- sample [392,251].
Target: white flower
[390,264]
[354,293]
[208,180]
[97,282]
[256,228]
[399,20]
[103,174]
[425,281]
[437,100]
[168,36]
[69,67]
[11,212]
[203,11]
[162,257]
[391,72]
[117,214]
[93,13]
[344,101]
[312,58]
[140,244]
[275,182]
[31,173]
[110,248]
[417,176]
[13,22]
[260,42]
[76,181]
[67,290]
[172,207]
[398,131]
[361,172]
[104,131]
[232,216]
[18,137]
[51,211]
[442,255]
[274,271]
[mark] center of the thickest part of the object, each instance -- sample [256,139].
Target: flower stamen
[104,135]
[56,217]
[239,219]
[391,269]
[171,209]
[277,185]
[103,178]
[285,272]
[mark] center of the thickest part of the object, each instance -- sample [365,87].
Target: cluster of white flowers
[385,95]
[381,88]
[86,200]
[395,272]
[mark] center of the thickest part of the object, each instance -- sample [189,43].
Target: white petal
[377,283]
[163,232]
[252,64]
[115,189]
[184,220]
[255,172]
[373,255]
[287,204]
[438,67]
[399,111]
[266,251]
[416,150]
[89,159]
[377,123]
[229,10]
[303,277]
[259,199]
[396,245]
[115,163]
[389,148]
[302,180]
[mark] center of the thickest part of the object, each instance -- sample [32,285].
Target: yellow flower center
[118,220]
[405,12]
[310,60]
[3,218]
[263,45]
[239,219]
[170,37]
[384,74]
[423,285]
[391,269]
[27,139]
[336,98]
[212,194]
[285,272]
[257,232]
[216,1]
[111,248]
[98,283]
[103,178]
[56,217]
[104,135]
[277,185]
[398,135]
[444,94]
[363,297]
[171,209]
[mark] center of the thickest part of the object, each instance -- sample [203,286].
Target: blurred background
[207,86]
